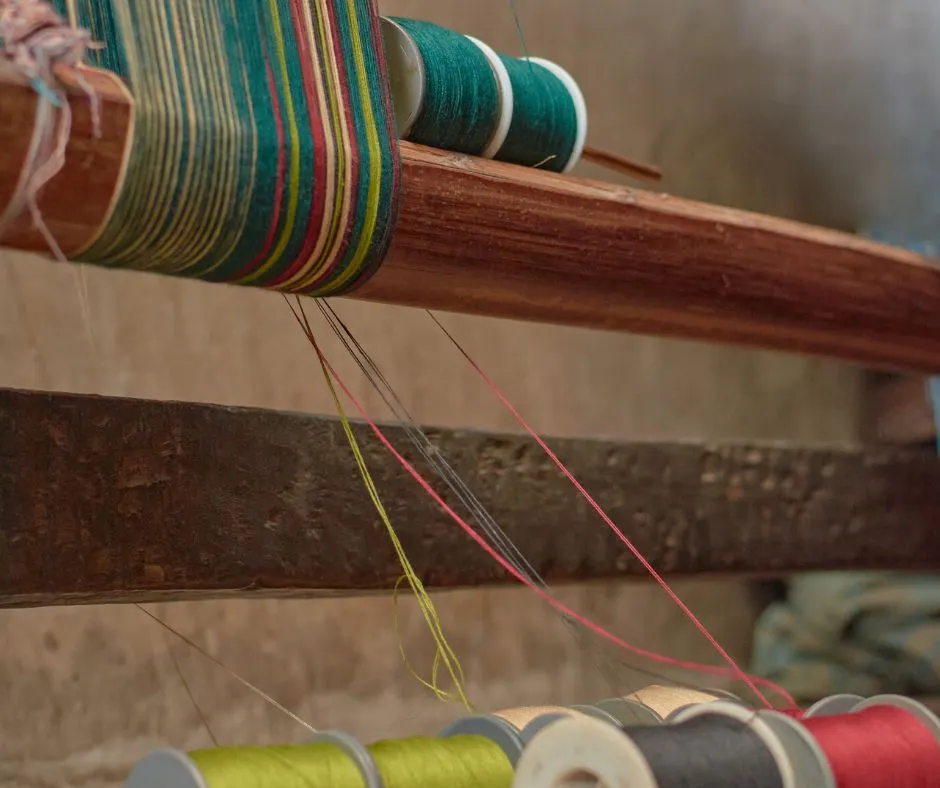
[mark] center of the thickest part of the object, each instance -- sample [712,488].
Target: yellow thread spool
[457,762]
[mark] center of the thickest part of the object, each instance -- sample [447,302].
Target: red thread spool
[878,747]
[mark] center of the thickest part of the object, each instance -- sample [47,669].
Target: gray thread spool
[165,767]
[494,728]
[758,725]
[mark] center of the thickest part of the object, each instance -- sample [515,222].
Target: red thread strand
[738,673]
[591,626]
[878,747]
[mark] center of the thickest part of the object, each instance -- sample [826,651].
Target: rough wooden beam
[116,499]
[494,239]
[901,412]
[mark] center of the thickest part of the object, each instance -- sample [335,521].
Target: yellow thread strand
[443,653]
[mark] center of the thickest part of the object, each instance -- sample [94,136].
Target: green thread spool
[449,91]
[454,92]
[456,762]
[549,116]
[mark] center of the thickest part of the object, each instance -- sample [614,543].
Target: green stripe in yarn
[544,118]
[461,102]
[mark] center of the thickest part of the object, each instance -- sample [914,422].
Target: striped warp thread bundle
[454,92]
[263,149]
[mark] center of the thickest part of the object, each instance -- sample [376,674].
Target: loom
[455,232]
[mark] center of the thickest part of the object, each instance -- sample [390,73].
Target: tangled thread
[38,42]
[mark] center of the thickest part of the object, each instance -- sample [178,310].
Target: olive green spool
[456,762]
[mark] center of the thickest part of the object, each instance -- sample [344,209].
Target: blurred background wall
[824,111]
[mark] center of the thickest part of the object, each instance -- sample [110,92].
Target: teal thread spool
[549,116]
[449,91]
[454,92]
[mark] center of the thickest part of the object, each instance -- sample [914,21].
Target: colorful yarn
[544,126]
[263,151]
[751,682]
[732,670]
[456,762]
[460,110]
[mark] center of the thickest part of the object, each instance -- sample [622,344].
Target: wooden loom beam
[114,500]
[487,238]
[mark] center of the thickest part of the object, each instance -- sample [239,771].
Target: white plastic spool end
[842,703]
[494,728]
[163,768]
[504,85]
[406,75]
[579,752]
[810,764]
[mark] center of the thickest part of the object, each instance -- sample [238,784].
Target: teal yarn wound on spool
[544,125]
[461,106]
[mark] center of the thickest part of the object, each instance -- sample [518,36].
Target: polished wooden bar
[117,500]
[488,238]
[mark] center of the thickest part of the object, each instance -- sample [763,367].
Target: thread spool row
[455,92]
[509,730]
[762,749]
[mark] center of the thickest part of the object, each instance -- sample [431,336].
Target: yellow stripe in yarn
[456,762]
[443,653]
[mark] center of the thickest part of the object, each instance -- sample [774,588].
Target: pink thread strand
[740,674]
[597,629]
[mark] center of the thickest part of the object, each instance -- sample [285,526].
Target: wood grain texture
[900,411]
[107,499]
[75,203]
[493,239]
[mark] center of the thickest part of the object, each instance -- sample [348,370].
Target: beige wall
[749,102]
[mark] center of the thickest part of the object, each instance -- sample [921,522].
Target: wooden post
[488,238]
